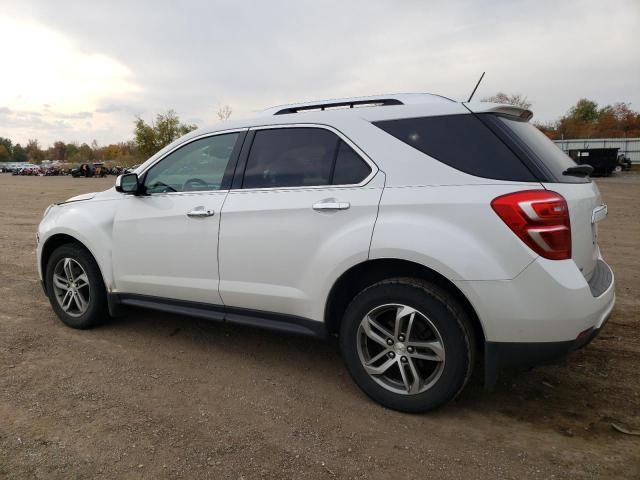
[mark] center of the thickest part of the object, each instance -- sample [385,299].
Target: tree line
[148,139]
[583,120]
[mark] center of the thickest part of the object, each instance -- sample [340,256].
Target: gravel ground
[153,395]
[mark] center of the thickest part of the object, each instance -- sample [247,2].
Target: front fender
[88,222]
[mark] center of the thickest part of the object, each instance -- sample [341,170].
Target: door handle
[198,212]
[331,205]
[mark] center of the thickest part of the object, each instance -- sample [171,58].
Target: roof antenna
[477,85]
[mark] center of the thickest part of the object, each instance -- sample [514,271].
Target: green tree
[584,111]
[85,153]
[5,156]
[71,150]
[152,137]
[19,154]
[8,145]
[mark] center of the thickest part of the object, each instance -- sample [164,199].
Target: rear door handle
[331,205]
[198,212]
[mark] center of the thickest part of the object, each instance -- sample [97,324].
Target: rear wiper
[579,171]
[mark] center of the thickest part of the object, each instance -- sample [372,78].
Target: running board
[254,318]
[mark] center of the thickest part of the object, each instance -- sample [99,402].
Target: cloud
[251,55]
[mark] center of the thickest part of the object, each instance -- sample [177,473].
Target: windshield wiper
[579,171]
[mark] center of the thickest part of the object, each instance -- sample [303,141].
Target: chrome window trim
[187,142]
[374,168]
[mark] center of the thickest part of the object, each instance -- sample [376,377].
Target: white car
[423,232]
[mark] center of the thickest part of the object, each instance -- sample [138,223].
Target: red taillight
[540,219]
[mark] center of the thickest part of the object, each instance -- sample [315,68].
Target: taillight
[540,219]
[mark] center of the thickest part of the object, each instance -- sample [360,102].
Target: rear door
[304,209]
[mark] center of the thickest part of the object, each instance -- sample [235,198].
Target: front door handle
[331,205]
[200,212]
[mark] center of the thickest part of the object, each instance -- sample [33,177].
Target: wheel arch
[364,274]
[57,240]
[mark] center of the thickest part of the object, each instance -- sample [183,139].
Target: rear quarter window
[462,142]
[536,147]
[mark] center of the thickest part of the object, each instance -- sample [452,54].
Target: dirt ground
[152,395]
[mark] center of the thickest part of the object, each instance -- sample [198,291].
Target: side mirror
[128,183]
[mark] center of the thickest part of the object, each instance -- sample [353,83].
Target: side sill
[254,318]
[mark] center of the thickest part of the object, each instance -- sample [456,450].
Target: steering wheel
[194,184]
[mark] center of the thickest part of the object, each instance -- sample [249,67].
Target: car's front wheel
[408,344]
[75,287]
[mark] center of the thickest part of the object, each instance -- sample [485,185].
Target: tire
[83,267]
[618,169]
[438,321]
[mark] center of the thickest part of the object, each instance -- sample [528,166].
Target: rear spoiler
[509,110]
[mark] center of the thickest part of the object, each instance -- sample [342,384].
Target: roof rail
[372,101]
[347,103]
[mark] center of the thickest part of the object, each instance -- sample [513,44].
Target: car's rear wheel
[75,287]
[407,344]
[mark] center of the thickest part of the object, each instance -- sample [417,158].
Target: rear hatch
[550,165]
[584,201]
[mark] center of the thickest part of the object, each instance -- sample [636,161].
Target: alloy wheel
[71,287]
[400,349]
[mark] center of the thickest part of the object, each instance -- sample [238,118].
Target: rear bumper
[550,301]
[545,313]
[518,355]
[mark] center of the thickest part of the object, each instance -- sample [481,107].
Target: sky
[79,71]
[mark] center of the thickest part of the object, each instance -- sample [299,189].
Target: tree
[34,153]
[514,99]
[585,120]
[85,153]
[19,154]
[585,111]
[72,150]
[8,145]
[224,112]
[5,156]
[58,151]
[159,134]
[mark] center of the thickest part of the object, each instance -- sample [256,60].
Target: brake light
[540,219]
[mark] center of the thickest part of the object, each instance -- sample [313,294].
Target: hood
[79,198]
[108,194]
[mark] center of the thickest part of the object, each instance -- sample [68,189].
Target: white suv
[419,230]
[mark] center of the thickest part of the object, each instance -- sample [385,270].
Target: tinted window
[299,157]
[350,168]
[462,142]
[198,166]
[543,150]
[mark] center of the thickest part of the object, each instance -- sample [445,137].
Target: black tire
[97,310]
[443,311]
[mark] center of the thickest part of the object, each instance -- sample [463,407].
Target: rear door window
[350,168]
[462,142]
[300,157]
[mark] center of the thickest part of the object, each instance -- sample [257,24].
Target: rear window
[462,142]
[546,153]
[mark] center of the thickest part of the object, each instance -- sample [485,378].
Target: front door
[165,242]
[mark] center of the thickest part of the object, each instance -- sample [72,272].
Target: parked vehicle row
[83,170]
[422,232]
